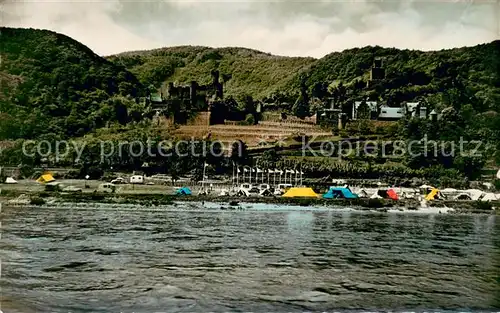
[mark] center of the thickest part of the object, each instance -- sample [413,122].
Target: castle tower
[217,85]
[377,71]
[170,89]
[192,93]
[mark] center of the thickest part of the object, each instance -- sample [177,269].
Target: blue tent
[339,193]
[183,191]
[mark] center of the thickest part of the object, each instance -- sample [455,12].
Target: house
[372,110]
[414,109]
[389,113]
[364,110]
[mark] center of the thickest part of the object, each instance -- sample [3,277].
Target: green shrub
[375,203]
[26,171]
[44,194]
[250,120]
[483,206]
[496,183]
[37,201]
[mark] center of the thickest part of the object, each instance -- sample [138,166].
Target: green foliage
[56,85]
[249,119]
[244,71]
[269,159]
[37,201]
[483,206]
[52,87]
[496,183]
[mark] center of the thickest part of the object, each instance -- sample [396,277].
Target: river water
[289,260]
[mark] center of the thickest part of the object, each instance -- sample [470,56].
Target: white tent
[362,193]
[498,174]
[426,187]
[463,196]
[10,180]
[489,197]
[475,194]
[376,196]
[449,190]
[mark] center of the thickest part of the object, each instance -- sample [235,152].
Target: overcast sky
[295,28]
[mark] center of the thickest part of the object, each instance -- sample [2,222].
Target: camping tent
[376,196]
[362,193]
[10,180]
[392,194]
[463,196]
[184,191]
[339,192]
[265,193]
[433,195]
[475,194]
[46,178]
[303,192]
[426,187]
[489,197]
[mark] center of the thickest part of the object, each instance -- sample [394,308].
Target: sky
[293,28]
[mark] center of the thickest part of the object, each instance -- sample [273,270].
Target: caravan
[137,179]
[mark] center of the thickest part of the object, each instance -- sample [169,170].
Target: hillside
[52,84]
[245,71]
[410,74]
[462,83]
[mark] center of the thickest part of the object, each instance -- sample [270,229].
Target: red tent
[392,194]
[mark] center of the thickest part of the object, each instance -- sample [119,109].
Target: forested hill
[54,85]
[473,71]
[245,71]
[410,75]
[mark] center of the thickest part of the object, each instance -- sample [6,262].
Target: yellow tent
[432,195]
[46,178]
[300,192]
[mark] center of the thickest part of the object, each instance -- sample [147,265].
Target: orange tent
[392,194]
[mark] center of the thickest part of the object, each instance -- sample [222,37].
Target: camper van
[137,179]
[107,187]
[282,188]
[246,187]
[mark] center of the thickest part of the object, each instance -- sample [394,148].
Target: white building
[384,112]
[389,113]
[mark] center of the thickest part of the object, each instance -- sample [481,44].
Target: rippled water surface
[117,260]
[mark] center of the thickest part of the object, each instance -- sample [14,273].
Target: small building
[364,110]
[390,114]
[414,109]
[328,115]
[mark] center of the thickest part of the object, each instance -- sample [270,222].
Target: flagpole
[203,179]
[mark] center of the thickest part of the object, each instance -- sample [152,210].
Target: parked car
[119,180]
[72,189]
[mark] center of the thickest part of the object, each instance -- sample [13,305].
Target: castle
[181,101]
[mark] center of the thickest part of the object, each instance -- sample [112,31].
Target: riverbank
[233,203]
